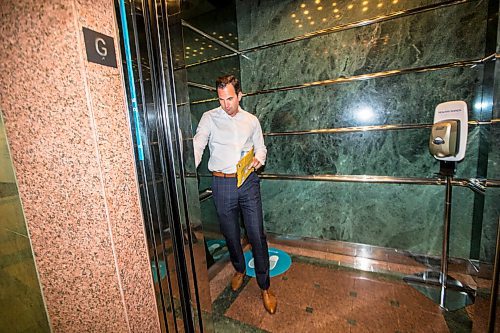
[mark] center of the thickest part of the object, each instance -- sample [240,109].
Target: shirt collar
[238,115]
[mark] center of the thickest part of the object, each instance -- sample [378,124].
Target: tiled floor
[322,295]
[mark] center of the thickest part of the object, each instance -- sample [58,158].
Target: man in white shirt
[230,133]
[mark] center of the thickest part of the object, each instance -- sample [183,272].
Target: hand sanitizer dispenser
[448,139]
[447,143]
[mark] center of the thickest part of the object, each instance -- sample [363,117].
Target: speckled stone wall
[68,129]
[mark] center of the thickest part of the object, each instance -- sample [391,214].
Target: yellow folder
[242,168]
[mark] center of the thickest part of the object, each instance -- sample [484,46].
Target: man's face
[229,100]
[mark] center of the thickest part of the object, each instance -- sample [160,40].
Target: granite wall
[67,126]
[418,35]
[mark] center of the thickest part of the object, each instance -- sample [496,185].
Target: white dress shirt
[228,138]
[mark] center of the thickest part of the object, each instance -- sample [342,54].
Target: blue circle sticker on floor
[279,262]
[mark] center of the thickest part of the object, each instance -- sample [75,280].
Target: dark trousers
[228,201]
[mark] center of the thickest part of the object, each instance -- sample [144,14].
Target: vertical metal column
[446,239]
[494,285]
[442,289]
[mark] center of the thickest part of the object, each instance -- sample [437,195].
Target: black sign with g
[100,48]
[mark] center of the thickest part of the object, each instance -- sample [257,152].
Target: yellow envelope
[242,168]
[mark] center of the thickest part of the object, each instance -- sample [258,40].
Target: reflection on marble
[492,198]
[401,43]
[21,300]
[209,72]
[216,19]
[496,90]
[199,94]
[401,153]
[407,217]
[377,214]
[491,216]
[198,48]
[268,21]
[403,99]
[490,223]
[404,216]
[498,38]
[209,216]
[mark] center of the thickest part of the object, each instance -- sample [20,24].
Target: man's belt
[223,175]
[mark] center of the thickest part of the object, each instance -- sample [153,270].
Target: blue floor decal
[217,248]
[163,270]
[279,262]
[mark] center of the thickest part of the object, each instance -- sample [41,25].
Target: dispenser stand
[444,290]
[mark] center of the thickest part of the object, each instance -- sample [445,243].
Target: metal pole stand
[494,285]
[442,289]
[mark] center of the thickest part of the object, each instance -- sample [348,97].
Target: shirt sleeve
[258,143]
[201,137]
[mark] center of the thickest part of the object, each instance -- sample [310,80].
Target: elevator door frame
[170,224]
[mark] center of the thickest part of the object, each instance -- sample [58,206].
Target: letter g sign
[100,48]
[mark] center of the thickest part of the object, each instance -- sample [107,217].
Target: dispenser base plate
[428,283]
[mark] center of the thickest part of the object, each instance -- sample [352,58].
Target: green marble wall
[407,217]
[21,303]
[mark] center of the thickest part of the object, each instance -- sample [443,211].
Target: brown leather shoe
[237,280]
[270,301]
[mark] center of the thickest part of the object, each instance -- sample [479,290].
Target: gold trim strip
[369,128]
[350,129]
[208,60]
[493,183]
[463,182]
[201,86]
[360,179]
[378,179]
[204,101]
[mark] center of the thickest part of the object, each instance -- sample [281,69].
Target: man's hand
[255,164]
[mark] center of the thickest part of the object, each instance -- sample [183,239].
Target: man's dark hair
[223,81]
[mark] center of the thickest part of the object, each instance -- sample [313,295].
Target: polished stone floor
[21,302]
[331,293]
